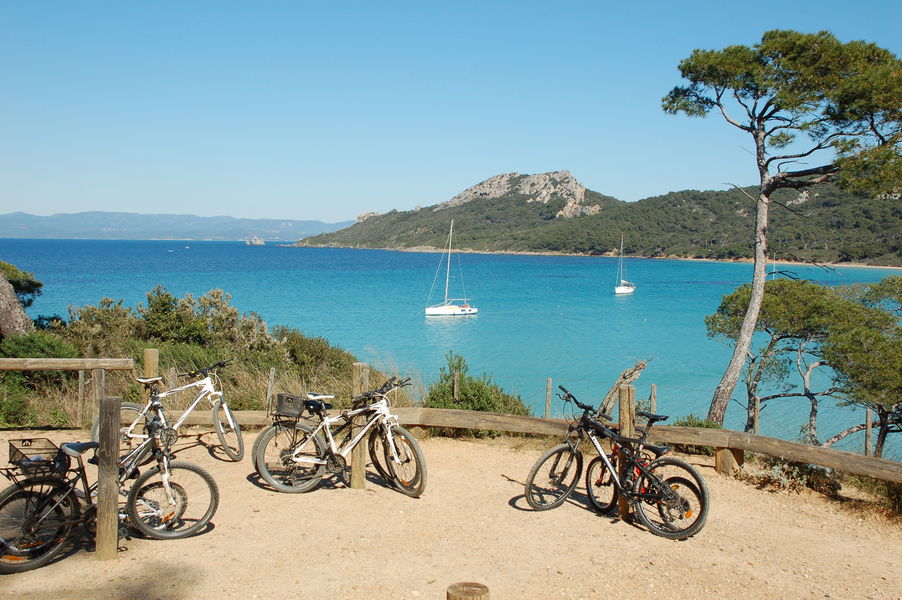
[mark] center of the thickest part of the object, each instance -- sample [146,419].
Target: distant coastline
[430,249]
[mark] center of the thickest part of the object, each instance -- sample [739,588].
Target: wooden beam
[65,364]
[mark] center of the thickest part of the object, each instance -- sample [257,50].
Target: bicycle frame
[627,454]
[381,414]
[207,389]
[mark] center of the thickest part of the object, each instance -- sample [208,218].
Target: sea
[539,317]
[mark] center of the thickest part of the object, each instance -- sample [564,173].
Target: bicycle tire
[408,472]
[229,437]
[678,511]
[550,491]
[126,443]
[24,543]
[157,514]
[377,454]
[600,486]
[273,457]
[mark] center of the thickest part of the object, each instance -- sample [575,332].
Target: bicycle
[667,495]
[227,428]
[293,457]
[49,497]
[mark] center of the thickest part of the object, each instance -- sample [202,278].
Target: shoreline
[432,250]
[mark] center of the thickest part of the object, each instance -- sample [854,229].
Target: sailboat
[622,286]
[451,306]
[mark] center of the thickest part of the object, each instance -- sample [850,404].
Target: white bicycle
[292,456]
[227,428]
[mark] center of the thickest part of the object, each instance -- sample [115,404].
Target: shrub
[478,394]
[692,420]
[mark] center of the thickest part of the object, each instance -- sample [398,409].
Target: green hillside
[830,225]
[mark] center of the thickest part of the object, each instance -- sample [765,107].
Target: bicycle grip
[563,389]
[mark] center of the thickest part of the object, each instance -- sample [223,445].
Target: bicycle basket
[37,456]
[288,405]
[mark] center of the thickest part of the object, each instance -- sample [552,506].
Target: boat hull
[624,289]
[450,310]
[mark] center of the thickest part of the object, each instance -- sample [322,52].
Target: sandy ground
[473,524]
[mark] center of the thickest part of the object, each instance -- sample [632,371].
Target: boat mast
[448,270]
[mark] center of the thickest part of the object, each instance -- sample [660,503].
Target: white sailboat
[450,306]
[622,286]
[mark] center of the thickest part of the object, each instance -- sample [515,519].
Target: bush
[478,394]
[17,386]
[692,420]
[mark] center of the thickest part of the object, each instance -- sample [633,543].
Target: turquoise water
[539,316]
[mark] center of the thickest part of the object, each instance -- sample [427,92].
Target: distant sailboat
[450,306]
[622,286]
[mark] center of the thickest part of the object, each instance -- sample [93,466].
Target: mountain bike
[49,497]
[293,457]
[227,428]
[667,495]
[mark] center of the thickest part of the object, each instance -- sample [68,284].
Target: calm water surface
[539,316]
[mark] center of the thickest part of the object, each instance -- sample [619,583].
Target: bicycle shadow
[330,481]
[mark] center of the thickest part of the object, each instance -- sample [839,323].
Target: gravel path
[473,524]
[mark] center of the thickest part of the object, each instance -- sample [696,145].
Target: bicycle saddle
[312,396]
[148,380]
[317,406]
[652,418]
[75,449]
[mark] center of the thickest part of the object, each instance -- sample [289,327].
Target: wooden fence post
[653,400]
[455,387]
[467,590]
[82,405]
[98,380]
[548,398]
[625,419]
[107,544]
[868,423]
[360,382]
[270,385]
[151,362]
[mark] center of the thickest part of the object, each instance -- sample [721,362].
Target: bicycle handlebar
[392,383]
[205,370]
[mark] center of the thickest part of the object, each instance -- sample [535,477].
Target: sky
[325,110]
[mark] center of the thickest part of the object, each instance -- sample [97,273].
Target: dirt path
[472,524]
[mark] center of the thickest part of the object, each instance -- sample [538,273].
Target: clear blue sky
[323,110]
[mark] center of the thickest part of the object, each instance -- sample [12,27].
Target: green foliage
[789,476]
[26,287]
[167,318]
[693,420]
[315,358]
[17,387]
[474,393]
[826,224]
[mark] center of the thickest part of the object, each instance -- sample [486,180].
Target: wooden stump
[467,590]
[626,418]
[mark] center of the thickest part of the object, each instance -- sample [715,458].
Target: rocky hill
[553,212]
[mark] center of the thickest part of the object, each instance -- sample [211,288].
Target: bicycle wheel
[176,508]
[377,454]
[129,412]
[553,477]
[36,519]
[228,430]
[406,464]
[273,457]
[674,499]
[600,485]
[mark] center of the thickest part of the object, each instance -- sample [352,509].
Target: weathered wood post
[270,386]
[548,398]
[82,404]
[868,423]
[467,590]
[107,544]
[625,416]
[151,362]
[455,387]
[653,400]
[98,380]
[360,382]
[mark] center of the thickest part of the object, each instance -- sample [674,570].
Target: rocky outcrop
[13,320]
[364,216]
[542,187]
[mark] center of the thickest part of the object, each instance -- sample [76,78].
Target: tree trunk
[883,419]
[727,384]
[13,319]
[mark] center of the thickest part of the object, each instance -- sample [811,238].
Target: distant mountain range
[554,213]
[133,226]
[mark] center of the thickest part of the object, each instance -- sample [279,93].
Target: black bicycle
[49,497]
[667,495]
